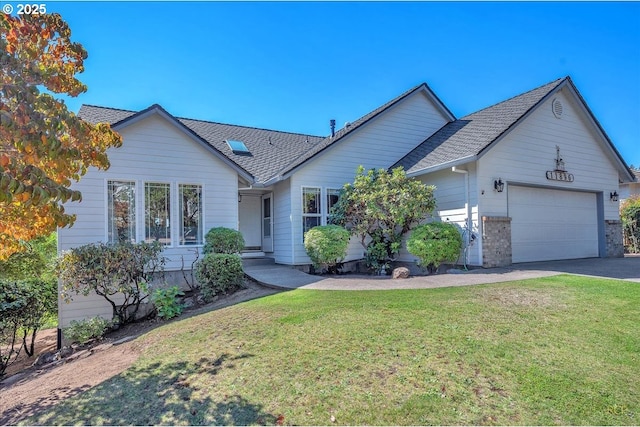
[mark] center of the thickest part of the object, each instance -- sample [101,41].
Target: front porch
[255,221]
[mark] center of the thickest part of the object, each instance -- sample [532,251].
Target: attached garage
[551,224]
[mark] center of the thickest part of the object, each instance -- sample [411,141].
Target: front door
[267,223]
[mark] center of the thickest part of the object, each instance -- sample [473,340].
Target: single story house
[530,177]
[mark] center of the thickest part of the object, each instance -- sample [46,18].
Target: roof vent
[556,107]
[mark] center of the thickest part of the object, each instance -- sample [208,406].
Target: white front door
[267,223]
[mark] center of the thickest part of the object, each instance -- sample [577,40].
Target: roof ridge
[110,108]
[555,82]
[200,120]
[344,131]
[249,127]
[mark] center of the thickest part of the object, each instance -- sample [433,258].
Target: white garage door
[552,224]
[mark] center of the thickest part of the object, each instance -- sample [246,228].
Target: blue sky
[293,66]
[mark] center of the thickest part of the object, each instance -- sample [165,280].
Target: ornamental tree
[380,207]
[43,146]
[630,216]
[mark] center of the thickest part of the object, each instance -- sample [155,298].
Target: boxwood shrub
[435,243]
[219,273]
[326,245]
[222,240]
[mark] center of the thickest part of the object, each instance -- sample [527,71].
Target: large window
[191,214]
[332,199]
[157,215]
[311,208]
[121,215]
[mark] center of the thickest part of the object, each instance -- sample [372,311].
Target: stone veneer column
[496,241]
[613,237]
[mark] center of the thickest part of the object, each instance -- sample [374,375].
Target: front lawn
[558,350]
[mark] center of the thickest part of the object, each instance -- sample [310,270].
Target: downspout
[467,204]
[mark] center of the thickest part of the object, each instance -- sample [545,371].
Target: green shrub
[222,240]
[36,262]
[84,331]
[24,307]
[377,257]
[326,246]
[219,273]
[380,207]
[630,216]
[36,265]
[119,273]
[435,243]
[166,302]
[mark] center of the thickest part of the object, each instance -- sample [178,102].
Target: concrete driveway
[627,268]
[285,277]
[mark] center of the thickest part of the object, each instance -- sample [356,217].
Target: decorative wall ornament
[559,173]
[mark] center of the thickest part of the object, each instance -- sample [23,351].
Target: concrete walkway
[273,275]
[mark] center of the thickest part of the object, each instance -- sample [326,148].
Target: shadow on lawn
[159,394]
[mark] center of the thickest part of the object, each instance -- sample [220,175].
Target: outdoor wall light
[239,198]
[498,185]
[613,196]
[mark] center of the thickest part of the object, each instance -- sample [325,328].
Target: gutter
[452,164]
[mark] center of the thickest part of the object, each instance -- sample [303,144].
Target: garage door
[552,224]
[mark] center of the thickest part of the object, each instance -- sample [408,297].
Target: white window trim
[172,215]
[136,215]
[179,215]
[304,215]
[325,205]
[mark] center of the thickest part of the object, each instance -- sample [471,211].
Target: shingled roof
[272,153]
[469,136]
[269,150]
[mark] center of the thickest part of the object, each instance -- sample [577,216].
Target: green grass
[560,350]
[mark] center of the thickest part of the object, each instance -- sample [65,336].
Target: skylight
[237,147]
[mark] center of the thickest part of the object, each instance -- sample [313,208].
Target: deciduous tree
[43,146]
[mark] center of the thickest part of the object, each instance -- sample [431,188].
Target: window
[332,199]
[266,217]
[191,214]
[121,215]
[311,209]
[157,216]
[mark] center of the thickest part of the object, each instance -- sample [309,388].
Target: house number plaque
[560,173]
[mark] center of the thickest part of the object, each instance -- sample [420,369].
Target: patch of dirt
[523,297]
[46,340]
[27,389]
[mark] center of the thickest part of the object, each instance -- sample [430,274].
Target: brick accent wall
[613,237]
[496,241]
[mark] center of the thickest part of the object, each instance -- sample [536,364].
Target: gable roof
[273,155]
[471,136]
[269,150]
[352,127]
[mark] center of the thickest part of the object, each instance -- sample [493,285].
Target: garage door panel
[552,224]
